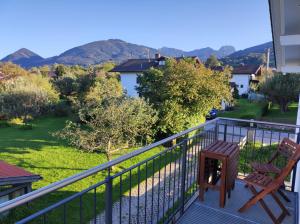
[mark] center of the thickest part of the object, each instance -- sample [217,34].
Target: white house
[130,69]
[243,75]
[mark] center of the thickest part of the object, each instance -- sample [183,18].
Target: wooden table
[226,154]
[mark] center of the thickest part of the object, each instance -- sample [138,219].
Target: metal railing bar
[258,122]
[60,203]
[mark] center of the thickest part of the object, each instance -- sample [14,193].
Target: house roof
[141,65]
[10,174]
[246,69]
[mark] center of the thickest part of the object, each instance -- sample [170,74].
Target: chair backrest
[287,148]
[294,157]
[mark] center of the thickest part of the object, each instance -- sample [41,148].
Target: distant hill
[118,51]
[202,53]
[23,57]
[251,55]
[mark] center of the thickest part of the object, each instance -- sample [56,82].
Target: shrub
[26,96]
[62,109]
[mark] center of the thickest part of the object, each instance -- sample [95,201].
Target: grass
[275,115]
[244,110]
[39,152]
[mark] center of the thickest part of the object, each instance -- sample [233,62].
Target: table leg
[223,183]
[201,177]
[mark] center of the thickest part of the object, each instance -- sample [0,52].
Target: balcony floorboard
[209,212]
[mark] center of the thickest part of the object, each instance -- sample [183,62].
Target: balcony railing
[155,190]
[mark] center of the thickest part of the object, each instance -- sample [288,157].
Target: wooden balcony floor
[209,212]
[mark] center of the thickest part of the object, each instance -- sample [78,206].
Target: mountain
[23,57]
[101,51]
[118,51]
[202,53]
[251,55]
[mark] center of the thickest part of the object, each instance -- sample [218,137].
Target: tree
[60,70]
[282,89]
[104,89]
[183,92]
[212,62]
[26,96]
[111,125]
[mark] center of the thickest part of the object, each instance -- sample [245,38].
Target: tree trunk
[107,152]
[283,106]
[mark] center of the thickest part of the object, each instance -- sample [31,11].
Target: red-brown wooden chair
[269,186]
[286,149]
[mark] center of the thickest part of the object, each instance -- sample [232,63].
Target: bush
[26,96]
[16,121]
[62,109]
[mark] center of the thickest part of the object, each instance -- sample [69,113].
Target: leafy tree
[26,96]
[60,70]
[183,92]
[66,86]
[212,62]
[104,89]
[282,89]
[112,125]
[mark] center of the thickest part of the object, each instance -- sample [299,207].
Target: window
[241,86]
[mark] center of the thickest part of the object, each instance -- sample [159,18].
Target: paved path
[157,194]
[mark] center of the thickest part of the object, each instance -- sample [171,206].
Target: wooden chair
[269,186]
[286,149]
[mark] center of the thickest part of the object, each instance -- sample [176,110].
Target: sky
[49,27]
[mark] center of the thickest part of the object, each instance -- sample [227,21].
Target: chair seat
[265,168]
[258,179]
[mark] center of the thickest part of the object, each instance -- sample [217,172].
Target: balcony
[162,188]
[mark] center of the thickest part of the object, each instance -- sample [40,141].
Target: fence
[157,189]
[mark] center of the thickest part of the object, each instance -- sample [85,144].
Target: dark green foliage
[110,126]
[62,109]
[212,62]
[235,93]
[282,89]
[183,92]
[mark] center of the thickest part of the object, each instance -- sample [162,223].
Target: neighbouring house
[243,75]
[14,181]
[130,70]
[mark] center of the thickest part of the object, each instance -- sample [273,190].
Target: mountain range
[118,51]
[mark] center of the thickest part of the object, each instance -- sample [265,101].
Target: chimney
[157,55]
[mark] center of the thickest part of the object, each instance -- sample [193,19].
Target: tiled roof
[13,173]
[141,65]
[246,69]
[135,65]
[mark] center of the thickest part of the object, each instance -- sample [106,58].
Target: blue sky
[49,27]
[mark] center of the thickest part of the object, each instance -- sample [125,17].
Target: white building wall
[129,83]
[297,181]
[242,81]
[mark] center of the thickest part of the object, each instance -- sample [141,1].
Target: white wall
[297,181]
[242,80]
[129,82]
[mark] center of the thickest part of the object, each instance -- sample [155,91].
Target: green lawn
[275,115]
[245,109]
[39,152]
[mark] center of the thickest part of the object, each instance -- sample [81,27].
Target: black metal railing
[157,189]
